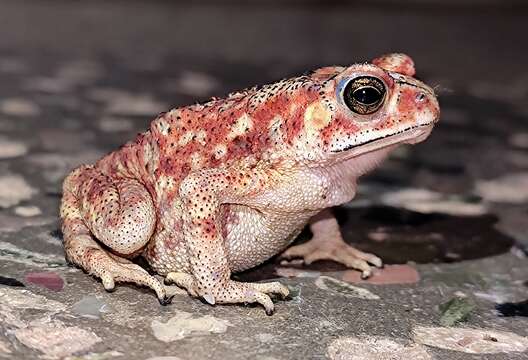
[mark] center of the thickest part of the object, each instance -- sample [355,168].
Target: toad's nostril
[420,97]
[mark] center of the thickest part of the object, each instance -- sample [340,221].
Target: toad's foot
[332,250]
[111,269]
[233,292]
[327,244]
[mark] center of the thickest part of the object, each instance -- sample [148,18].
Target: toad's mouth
[410,135]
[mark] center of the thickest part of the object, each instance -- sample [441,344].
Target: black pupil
[367,95]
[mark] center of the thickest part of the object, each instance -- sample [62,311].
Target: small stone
[343,288]
[10,281]
[11,149]
[19,107]
[455,311]
[183,325]
[13,190]
[473,341]
[57,341]
[378,236]
[390,274]
[426,201]
[511,188]
[90,307]
[49,280]
[28,211]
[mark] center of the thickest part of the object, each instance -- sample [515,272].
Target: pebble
[19,107]
[374,348]
[473,341]
[426,201]
[13,190]
[183,324]
[48,280]
[337,286]
[28,211]
[510,188]
[91,307]
[11,149]
[390,274]
[56,340]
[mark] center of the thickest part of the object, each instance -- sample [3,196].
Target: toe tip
[166,300]
[365,275]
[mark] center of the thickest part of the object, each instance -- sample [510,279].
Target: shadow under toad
[400,235]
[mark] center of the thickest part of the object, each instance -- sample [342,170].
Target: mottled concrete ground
[77,79]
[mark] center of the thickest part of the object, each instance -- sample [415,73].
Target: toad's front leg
[327,244]
[202,195]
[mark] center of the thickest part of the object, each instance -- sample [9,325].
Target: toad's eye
[364,95]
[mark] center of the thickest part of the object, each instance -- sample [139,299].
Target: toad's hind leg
[328,244]
[120,214]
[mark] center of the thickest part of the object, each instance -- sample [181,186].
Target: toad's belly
[253,236]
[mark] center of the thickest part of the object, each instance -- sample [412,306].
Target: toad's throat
[413,134]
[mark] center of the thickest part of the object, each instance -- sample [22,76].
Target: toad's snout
[426,98]
[417,98]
